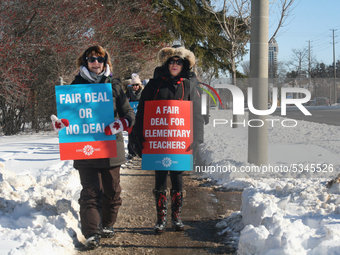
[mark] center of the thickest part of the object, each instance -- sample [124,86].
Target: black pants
[99,199]
[176,180]
[130,150]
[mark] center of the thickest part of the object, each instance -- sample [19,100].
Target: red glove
[59,124]
[117,126]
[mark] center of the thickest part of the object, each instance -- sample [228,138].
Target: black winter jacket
[122,109]
[162,88]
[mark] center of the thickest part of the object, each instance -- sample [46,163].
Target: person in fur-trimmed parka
[171,83]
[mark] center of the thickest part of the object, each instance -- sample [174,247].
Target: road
[325,115]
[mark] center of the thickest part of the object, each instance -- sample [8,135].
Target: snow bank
[290,217]
[289,212]
[38,209]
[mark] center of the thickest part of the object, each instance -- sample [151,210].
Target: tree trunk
[233,82]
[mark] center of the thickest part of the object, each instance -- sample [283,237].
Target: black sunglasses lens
[177,61]
[91,59]
[99,59]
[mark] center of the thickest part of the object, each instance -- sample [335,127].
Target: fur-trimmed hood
[181,52]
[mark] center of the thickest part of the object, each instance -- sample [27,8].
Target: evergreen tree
[184,20]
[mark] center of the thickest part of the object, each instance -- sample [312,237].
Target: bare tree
[234,17]
[299,61]
[246,67]
[14,96]
[40,41]
[282,10]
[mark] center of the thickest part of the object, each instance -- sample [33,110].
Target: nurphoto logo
[238,104]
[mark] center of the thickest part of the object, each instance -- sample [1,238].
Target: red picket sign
[168,134]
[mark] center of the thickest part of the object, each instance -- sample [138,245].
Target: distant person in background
[133,94]
[134,91]
[126,84]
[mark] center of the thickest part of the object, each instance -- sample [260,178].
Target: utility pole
[308,58]
[309,68]
[300,65]
[258,135]
[335,92]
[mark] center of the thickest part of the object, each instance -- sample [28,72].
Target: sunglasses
[133,85]
[176,61]
[99,59]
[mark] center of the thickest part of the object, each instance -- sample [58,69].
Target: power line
[322,45]
[323,49]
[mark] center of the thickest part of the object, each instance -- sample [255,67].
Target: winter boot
[92,241]
[176,208]
[108,232]
[162,210]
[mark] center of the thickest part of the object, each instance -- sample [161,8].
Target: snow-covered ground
[279,215]
[38,197]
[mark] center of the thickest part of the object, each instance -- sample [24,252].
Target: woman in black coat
[100,178]
[171,82]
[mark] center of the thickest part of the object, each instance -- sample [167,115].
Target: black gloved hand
[137,144]
[195,146]
[206,119]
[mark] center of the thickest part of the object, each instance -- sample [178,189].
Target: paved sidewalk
[203,207]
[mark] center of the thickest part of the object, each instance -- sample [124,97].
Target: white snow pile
[289,212]
[38,197]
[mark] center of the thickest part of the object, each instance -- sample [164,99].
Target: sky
[309,21]
[289,213]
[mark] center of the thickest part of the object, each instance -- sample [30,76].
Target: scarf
[135,95]
[93,77]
